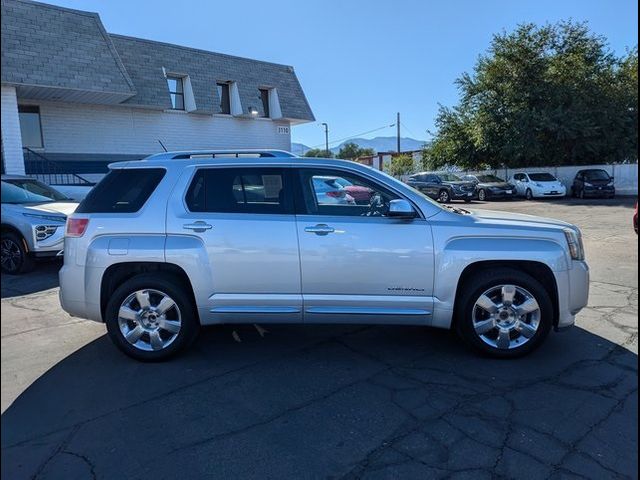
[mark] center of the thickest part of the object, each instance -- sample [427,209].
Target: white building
[75,98]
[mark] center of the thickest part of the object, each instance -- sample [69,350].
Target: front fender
[460,253]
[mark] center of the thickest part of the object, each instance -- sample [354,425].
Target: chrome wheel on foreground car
[149,320]
[151,317]
[504,312]
[506,316]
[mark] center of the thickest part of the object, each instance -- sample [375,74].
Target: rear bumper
[79,291]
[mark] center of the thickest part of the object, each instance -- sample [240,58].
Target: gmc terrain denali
[164,245]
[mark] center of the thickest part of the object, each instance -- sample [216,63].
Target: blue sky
[359,62]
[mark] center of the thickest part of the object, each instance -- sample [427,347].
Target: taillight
[76,226]
[336,194]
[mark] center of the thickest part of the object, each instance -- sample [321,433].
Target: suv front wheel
[504,313]
[151,317]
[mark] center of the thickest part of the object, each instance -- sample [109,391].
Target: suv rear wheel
[14,256]
[151,317]
[504,313]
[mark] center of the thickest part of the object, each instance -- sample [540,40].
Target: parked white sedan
[538,185]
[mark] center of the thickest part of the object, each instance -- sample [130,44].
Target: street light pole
[326,138]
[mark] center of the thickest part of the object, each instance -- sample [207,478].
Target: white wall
[11,138]
[77,128]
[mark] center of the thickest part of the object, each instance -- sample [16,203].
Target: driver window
[336,193]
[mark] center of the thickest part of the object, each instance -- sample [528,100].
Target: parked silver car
[164,245]
[33,219]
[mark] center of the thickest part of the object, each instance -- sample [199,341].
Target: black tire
[15,258]
[528,194]
[482,195]
[168,284]
[444,196]
[479,283]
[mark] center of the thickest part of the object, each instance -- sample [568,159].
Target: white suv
[33,219]
[164,245]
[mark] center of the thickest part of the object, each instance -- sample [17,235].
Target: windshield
[449,177]
[29,191]
[489,179]
[596,175]
[542,177]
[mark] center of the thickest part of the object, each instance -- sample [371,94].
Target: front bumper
[49,247]
[573,293]
[501,193]
[604,191]
[462,195]
[549,193]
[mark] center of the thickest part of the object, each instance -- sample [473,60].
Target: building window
[223,95]
[264,96]
[30,127]
[176,92]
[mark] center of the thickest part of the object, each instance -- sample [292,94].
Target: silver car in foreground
[164,245]
[33,221]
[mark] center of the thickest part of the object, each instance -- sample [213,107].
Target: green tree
[401,165]
[552,95]
[318,152]
[351,151]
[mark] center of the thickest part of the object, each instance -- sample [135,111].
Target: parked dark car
[490,187]
[443,186]
[593,182]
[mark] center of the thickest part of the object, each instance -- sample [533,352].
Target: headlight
[574,240]
[50,218]
[45,231]
[587,184]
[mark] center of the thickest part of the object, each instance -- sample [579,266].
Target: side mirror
[401,209]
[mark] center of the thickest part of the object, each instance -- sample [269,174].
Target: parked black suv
[443,186]
[491,187]
[593,182]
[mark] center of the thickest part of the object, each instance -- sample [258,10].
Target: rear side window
[122,190]
[240,190]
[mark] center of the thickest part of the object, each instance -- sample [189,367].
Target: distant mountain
[379,144]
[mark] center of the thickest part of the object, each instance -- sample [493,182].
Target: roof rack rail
[248,153]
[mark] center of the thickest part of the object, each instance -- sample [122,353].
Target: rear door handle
[197,226]
[320,229]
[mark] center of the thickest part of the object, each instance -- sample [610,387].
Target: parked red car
[361,194]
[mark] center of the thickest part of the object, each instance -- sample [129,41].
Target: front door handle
[198,227]
[320,229]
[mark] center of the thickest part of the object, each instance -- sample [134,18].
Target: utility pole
[398,130]
[326,139]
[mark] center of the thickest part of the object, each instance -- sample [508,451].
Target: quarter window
[332,192]
[30,126]
[176,92]
[240,190]
[264,97]
[223,95]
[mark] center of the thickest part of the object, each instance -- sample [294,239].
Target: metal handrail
[49,171]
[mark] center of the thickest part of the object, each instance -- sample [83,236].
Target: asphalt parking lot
[330,402]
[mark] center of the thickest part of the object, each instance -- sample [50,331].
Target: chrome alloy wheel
[149,320]
[506,316]
[11,256]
